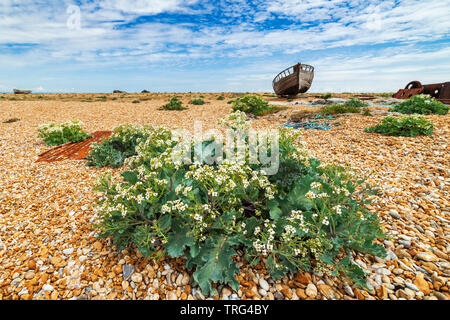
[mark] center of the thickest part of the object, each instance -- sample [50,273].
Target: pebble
[47,287]
[127,271]
[263,284]
[311,290]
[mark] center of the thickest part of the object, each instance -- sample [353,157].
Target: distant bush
[338,109]
[174,104]
[57,134]
[421,104]
[408,126]
[366,112]
[255,105]
[221,98]
[355,102]
[198,102]
[326,96]
[136,101]
[353,105]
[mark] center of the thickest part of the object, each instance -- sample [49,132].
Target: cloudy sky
[222,45]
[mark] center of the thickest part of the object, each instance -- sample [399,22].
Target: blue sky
[236,45]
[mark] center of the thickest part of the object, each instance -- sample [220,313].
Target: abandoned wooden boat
[17,91]
[294,80]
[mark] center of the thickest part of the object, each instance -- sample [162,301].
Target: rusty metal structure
[73,150]
[439,91]
[293,80]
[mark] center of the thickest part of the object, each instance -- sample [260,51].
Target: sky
[221,46]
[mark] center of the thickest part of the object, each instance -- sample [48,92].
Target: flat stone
[127,271]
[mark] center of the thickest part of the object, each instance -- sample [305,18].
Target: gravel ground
[49,249]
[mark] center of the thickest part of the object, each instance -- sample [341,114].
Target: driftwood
[293,80]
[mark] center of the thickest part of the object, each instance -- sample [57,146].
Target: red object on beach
[73,150]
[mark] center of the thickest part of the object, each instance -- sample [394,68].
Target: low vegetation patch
[326,96]
[57,134]
[355,102]
[254,105]
[198,102]
[353,105]
[174,104]
[421,104]
[408,126]
[308,216]
[221,98]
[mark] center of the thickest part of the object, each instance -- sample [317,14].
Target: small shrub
[220,98]
[308,216]
[114,98]
[255,105]
[197,102]
[366,112]
[136,101]
[421,104]
[174,104]
[326,96]
[338,109]
[408,126]
[102,97]
[355,102]
[57,134]
[12,99]
[230,102]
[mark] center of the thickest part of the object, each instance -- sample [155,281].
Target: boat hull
[294,80]
[17,91]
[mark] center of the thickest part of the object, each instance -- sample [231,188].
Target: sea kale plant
[122,144]
[407,126]
[174,104]
[308,215]
[421,104]
[57,134]
[198,102]
[255,105]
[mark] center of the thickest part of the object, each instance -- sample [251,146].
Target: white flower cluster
[174,206]
[338,210]
[182,190]
[236,120]
[312,195]
[341,190]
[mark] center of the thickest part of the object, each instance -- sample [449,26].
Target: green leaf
[178,240]
[131,177]
[218,266]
